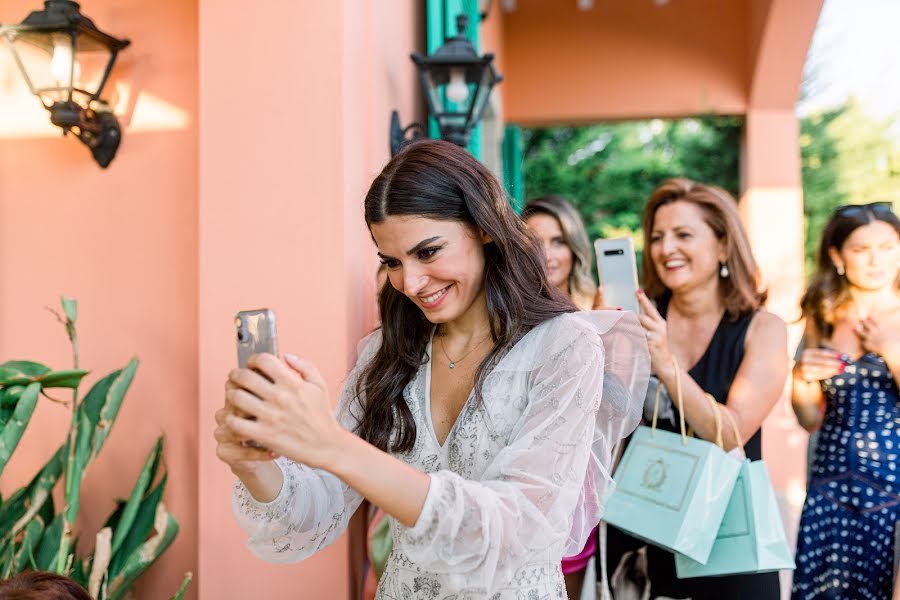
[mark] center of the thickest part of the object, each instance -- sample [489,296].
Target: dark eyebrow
[416,248]
[422,244]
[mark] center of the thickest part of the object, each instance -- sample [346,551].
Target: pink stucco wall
[124,243]
[252,130]
[282,182]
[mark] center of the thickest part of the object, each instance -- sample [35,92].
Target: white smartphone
[617,271]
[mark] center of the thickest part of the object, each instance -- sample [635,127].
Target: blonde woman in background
[567,251]
[567,248]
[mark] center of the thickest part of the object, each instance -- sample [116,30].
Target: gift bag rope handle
[734,428]
[717,415]
[678,398]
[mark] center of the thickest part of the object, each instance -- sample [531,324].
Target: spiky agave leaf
[33,499]
[15,427]
[102,556]
[143,482]
[112,402]
[141,527]
[166,527]
[21,372]
[25,554]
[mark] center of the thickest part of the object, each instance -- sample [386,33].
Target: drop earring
[839,269]
[723,271]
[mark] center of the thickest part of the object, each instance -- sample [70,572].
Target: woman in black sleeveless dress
[707,322]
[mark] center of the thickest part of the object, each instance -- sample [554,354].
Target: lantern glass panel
[47,59]
[483,93]
[449,115]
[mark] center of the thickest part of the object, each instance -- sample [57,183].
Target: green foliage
[33,534]
[848,158]
[609,170]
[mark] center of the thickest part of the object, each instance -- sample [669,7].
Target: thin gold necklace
[462,358]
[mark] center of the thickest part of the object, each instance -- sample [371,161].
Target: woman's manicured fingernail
[291,357]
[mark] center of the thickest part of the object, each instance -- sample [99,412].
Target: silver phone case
[617,271]
[255,334]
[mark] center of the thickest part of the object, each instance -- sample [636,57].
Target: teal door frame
[440,24]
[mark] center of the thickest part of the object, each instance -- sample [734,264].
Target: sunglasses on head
[876,208]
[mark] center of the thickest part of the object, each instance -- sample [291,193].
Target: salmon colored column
[295,104]
[772,209]
[271,234]
[772,202]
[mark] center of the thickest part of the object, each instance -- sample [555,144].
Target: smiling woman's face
[557,253]
[439,265]
[683,247]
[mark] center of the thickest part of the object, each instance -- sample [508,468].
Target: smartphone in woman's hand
[617,271]
[255,334]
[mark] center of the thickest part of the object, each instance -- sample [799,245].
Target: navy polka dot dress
[845,547]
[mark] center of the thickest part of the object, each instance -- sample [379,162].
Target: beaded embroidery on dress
[520,481]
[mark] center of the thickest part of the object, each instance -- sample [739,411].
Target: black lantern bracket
[47,47]
[401,136]
[457,84]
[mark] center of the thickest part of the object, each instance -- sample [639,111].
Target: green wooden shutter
[513,176]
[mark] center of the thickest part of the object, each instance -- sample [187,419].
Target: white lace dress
[519,483]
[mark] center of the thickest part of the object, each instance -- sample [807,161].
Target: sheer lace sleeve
[586,376]
[313,507]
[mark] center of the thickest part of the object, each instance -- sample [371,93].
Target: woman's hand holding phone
[284,406]
[657,332]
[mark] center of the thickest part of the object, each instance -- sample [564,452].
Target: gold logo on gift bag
[654,474]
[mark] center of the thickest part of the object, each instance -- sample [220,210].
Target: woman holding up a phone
[845,384]
[702,313]
[567,259]
[480,417]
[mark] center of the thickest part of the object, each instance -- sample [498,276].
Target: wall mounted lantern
[66,61]
[457,83]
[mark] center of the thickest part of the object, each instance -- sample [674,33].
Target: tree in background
[609,170]
[849,157]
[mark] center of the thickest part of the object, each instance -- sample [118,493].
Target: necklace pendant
[452,365]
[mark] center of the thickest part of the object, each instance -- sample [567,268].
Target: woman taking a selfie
[567,256]
[480,417]
[705,320]
[845,384]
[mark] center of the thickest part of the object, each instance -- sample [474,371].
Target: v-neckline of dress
[427,400]
[716,332]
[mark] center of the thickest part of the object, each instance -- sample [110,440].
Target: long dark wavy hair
[828,290]
[439,180]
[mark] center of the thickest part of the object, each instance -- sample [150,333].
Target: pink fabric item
[579,562]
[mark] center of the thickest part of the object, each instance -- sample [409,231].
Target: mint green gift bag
[672,490]
[751,538]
